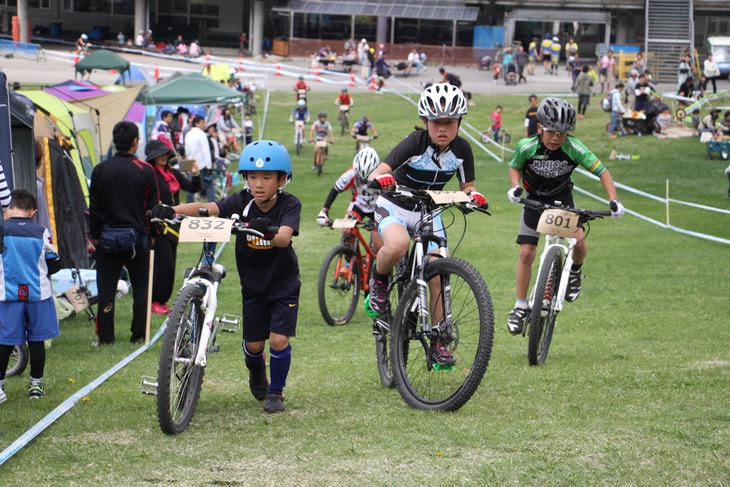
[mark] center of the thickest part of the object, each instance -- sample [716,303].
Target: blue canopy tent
[136,75]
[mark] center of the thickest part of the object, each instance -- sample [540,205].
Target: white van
[720,49]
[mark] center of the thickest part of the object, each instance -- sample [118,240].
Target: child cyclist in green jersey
[542,164]
[267,266]
[425,159]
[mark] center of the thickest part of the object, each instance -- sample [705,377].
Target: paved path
[59,68]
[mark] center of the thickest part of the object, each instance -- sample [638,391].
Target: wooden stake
[148,321]
[667,201]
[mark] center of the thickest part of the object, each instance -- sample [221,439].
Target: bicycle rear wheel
[179,380]
[463,299]
[338,286]
[542,316]
[18,360]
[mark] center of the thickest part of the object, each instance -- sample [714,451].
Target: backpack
[606,104]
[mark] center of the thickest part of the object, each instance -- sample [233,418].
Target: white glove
[322,218]
[514,194]
[617,209]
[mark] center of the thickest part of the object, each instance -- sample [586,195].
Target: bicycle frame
[566,246]
[202,277]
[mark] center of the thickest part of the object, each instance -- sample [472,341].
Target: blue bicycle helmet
[265,155]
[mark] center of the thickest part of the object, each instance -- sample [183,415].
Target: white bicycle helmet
[301,103]
[442,100]
[366,160]
[556,114]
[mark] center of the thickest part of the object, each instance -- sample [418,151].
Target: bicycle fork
[566,246]
[209,329]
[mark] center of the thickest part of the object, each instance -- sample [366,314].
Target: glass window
[124,7]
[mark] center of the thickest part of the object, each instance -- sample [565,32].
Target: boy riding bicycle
[543,164]
[361,128]
[434,155]
[321,128]
[363,198]
[267,266]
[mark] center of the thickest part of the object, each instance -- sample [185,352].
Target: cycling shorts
[386,214]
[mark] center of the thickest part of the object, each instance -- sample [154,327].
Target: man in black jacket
[122,189]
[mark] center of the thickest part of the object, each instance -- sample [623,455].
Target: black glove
[262,225]
[163,212]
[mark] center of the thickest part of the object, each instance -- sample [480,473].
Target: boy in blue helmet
[267,267]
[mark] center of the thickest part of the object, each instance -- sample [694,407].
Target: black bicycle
[444,302]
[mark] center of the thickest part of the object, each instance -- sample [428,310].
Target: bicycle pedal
[440,367]
[148,386]
[230,323]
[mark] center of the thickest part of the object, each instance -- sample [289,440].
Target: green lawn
[634,392]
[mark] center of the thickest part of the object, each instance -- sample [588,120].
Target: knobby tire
[179,383]
[338,294]
[471,334]
[542,316]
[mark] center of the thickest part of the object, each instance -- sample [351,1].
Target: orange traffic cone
[76,59]
[373,83]
[156,73]
[278,70]
[317,76]
[240,63]
[352,77]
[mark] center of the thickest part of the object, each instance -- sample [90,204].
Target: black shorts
[528,233]
[547,57]
[274,311]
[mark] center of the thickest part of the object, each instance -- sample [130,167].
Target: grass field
[634,392]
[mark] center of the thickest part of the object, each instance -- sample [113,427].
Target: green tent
[189,89]
[102,59]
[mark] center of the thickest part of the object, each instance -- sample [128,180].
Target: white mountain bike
[193,325]
[558,224]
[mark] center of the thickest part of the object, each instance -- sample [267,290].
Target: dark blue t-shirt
[261,265]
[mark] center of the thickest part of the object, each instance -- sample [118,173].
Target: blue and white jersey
[417,163]
[23,267]
[362,196]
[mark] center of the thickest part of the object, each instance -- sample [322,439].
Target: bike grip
[275,229]
[602,213]
[532,203]
[374,184]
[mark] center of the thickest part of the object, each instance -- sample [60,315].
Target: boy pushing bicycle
[543,164]
[267,266]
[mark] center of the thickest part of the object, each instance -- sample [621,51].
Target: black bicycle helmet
[322,114]
[556,114]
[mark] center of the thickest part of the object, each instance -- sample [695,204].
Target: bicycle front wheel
[179,380]
[19,357]
[542,316]
[338,286]
[382,327]
[458,294]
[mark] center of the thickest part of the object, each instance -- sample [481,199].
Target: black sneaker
[258,385]
[573,291]
[379,296]
[516,320]
[274,403]
[35,392]
[440,353]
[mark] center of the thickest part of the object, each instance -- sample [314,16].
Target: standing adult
[711,71]
[242,43]
[571,54]
[546,48]
[123,188]
[198,149]
[584,87]
[169,181]
[642,92]
[684,69]
[631,85]
[521,61]
[531,117]
[533,51]
[607,73]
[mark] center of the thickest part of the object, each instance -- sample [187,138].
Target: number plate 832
[205,230]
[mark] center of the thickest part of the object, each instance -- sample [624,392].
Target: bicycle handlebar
[239,227]
[367,225]
[422,196]
[584,214]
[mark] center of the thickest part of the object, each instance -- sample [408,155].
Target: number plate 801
[558,222]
